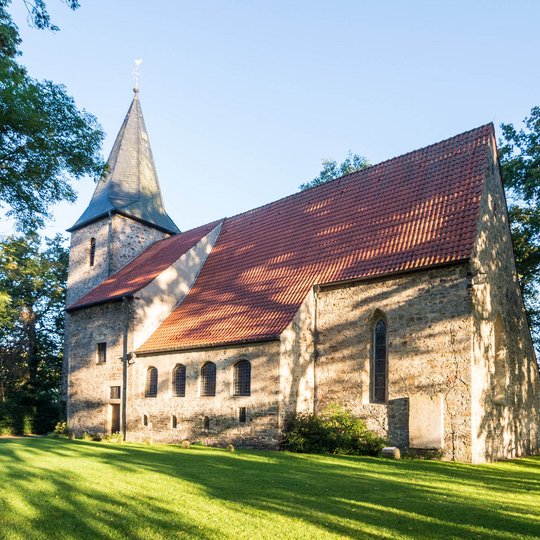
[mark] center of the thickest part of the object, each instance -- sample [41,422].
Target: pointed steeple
[130,187]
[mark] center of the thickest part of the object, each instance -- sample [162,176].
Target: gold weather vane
[137,73]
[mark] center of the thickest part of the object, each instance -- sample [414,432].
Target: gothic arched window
[179,380]
[242,378]
[380,361]
[208,379]
[150,389]
[92,250]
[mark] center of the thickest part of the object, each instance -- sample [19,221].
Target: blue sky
[242,100]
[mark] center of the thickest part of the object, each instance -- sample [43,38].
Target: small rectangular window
[92,251]
[101,353]
[242,415]
[115,392]
[174,422]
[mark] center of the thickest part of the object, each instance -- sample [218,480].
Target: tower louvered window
[380,361]
[151,382]
[92,251]
[179,380]
[208,379]
[242,378]
[102,352]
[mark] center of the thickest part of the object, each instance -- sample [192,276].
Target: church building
[391,291]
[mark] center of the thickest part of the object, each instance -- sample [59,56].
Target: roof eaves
[117,298]
[208,345]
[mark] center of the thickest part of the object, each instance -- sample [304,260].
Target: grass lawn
[56,488]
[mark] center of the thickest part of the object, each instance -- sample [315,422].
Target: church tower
[126,213]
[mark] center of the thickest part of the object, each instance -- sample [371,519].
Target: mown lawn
[56,488]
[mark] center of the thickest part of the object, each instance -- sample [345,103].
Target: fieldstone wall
[81,276]
[129,239]
[297,388]
[262,406]
[428,316]
[89,382]
[506,390]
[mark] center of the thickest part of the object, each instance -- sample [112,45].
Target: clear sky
[242,100]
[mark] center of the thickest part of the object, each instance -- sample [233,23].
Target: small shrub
[97,437]
[230,448]
[87,436]
[185,444]
[114,438]
[71,436]
[61,428]
[335,431]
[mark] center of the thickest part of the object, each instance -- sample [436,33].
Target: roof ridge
[360,172]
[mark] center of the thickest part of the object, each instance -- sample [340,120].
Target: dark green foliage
[32,294]
[24,413]
[519,152]
[44,138]
[333,431]
[332,170]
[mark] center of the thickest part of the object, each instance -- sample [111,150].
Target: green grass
[56,488]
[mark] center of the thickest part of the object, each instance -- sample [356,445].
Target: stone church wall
[506,390]
[262,407]
[89,382]
[81,276]
[130,238]
[428,316]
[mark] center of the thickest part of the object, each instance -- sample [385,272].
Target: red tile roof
[411,212]
[142,270]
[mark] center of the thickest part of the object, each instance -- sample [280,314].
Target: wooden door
[115,418]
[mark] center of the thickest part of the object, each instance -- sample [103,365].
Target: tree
[44,138]
[519,154]
[32,284]
[332,170]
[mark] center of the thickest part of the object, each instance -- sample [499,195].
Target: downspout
[316,290]
[109,243]
[125,359]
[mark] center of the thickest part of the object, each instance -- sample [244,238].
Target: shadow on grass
[347,496]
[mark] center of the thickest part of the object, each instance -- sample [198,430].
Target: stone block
[426,421]
[391,452]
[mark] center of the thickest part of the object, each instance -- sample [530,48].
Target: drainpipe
[316,290]
[109,242]
[125,305]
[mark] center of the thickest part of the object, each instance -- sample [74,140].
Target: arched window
[208,379]
[206,423]
[179,380]
[380,361]
[174,422]
[92,251]
[150,389]
[242,378]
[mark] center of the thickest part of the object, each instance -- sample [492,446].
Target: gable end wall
[502,427]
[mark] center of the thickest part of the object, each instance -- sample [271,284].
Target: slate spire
[131,186]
